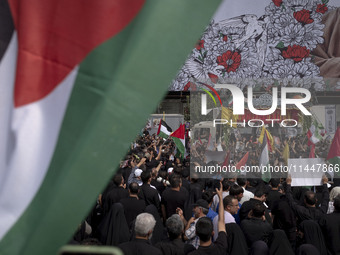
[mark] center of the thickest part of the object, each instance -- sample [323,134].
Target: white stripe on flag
[34,133]
[7,76]
[165,130]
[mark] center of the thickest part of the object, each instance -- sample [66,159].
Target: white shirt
[216,200]
[228,218]
[247,195]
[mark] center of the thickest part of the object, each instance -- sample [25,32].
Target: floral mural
[276,48]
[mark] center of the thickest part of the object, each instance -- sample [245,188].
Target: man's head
[144,225]
[146,176]
[133,188]
[225,184]
[258,210]
[204,229]
[175,226]
[236,191]
[118,180]
[310,199]
[208,196]
[230,204]
[274,182]
[138,173]
[175,181]
[200,208]
[241,181]
[260,194]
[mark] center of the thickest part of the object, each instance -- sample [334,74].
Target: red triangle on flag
[243,161]
[334,150]
[180,132]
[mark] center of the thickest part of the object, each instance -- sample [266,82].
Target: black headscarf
[312,234]
[113,229]
[279,243]
[307,249]
[259,248]
[237,244]
[158,231]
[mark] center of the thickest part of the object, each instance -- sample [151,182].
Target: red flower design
[200,45]
[303,16]
[225,38]
[296,52]
[213,77]
[188,85]
[277,2]
[322,8]
[230,60]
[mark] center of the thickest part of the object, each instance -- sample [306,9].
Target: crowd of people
[153,206]
[299,146]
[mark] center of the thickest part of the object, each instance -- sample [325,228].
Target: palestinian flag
[264,160]
[163,129]
[78,80]
[314,133]
[333,156]
[179,138]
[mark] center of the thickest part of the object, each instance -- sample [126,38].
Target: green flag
[87,76]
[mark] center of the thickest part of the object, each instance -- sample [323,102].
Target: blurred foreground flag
[78,80]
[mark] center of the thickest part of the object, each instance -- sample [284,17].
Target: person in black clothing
[204,230]
[116,194]
[310,233]
[174,197]
[256,228]
[158,233]
[132,204]
[174,245]
[237,244]
[309,211]
[185,178]
[144,226]
[284,218]
[273,194]
[151,196]
[195,190]
[113,229]
[160,186]
[330,225]
[259,198]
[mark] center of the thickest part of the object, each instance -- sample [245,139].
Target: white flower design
[274,47]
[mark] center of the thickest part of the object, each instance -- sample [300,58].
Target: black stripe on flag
[6,27]
[166,125]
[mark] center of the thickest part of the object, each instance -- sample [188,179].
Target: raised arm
[221,223]
[325,195]
[289,194]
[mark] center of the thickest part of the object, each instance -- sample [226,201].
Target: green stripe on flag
[180,146]
[114,94]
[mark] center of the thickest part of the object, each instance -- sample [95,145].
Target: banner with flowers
[279,44]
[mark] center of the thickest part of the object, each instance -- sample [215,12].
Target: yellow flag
[269,137]
[227,114]
[286,153]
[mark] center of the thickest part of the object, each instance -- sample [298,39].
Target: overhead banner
[330,118]
[307,171]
